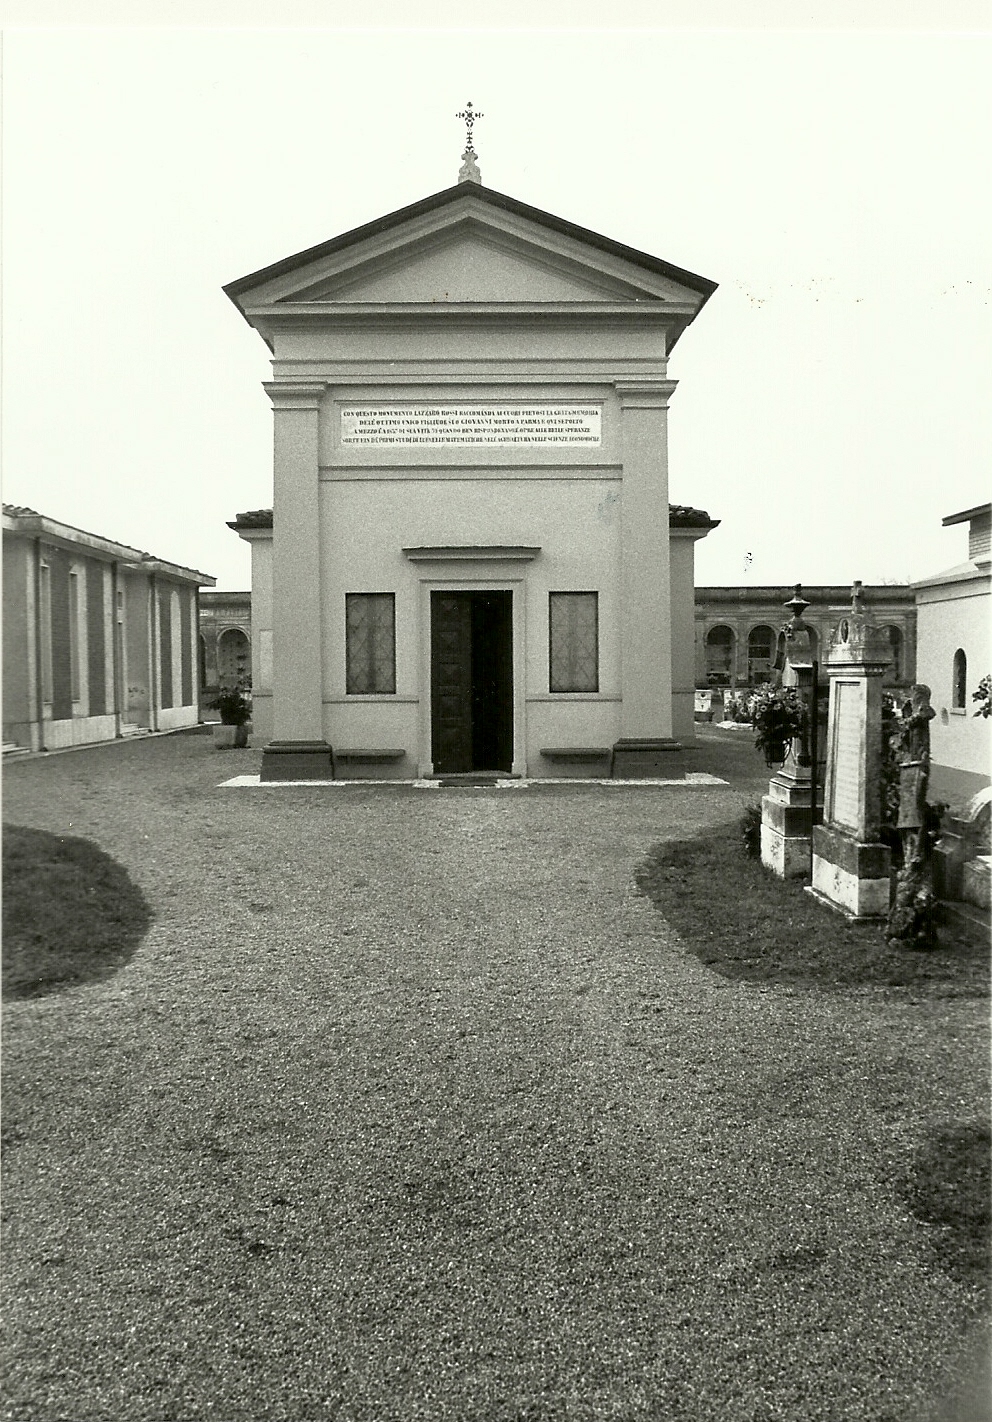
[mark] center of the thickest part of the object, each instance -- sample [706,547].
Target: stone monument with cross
[787,811]
[850,864]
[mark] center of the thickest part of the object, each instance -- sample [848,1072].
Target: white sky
[834,393]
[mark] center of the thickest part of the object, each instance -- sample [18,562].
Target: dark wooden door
[471,681]
[492,681]
[451,682]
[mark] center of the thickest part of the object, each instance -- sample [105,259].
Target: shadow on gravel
[70,913]
[745,923]
[948,1187]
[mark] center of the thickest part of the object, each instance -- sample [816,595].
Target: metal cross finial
[470,118]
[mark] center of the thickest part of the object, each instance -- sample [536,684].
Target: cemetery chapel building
[471,564]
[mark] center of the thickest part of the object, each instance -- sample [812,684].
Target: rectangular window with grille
[574,641]
[370,643]
[74,649]
[45,631]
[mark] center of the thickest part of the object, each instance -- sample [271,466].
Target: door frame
[473,570]
[505,736]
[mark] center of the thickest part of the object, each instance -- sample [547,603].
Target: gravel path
[410,1107]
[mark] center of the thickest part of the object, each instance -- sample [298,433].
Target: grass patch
[949,1187]
[745,923]
[70,913]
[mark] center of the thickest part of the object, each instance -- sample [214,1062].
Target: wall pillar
[646,747]
[298,750]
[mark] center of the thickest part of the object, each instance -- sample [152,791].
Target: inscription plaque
[397,426]
[845,751]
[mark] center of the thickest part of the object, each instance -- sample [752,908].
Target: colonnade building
[737,629]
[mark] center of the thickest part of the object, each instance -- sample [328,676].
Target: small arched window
[233,658]
[959,681]
[719,655]
[760,654]
[895,669]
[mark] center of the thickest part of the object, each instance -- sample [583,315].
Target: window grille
[74,636]
[959,680]
[370,643]
[574,641]
[45,631]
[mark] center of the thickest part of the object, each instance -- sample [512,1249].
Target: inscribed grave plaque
[848,733]
[465,425]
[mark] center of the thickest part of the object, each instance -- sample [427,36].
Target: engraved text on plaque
[845,749]
[461,425]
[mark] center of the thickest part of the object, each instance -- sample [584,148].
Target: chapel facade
[471,564]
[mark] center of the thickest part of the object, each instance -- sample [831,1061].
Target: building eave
[30,524]
[966,515]
[462,192]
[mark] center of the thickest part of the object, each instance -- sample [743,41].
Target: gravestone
[963,851]
[850,865]
[787,810]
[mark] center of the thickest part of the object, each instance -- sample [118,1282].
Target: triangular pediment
[470,264]
[468,245]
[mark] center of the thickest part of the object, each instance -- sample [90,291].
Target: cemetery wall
[98,636]
[736,628]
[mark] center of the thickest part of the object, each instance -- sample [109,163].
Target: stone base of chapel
[647,759]
[850,875]
[297,760]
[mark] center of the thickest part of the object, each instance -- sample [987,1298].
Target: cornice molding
[295,394]
[400,314]
[459,553]
[645,394]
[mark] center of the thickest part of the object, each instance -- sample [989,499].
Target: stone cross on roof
[469,171]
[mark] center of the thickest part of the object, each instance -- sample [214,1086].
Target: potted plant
[777,717]
[235,713]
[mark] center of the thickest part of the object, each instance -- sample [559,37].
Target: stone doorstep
[576,753]
[371,756]
[694,780]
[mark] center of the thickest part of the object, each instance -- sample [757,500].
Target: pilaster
[646,747]
[298,735]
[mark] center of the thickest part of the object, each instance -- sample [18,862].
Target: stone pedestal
[297,760]
[849,874]
[787,824]
[787,811]
[964,835]
[850,866]
[647,760]
[976,881]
